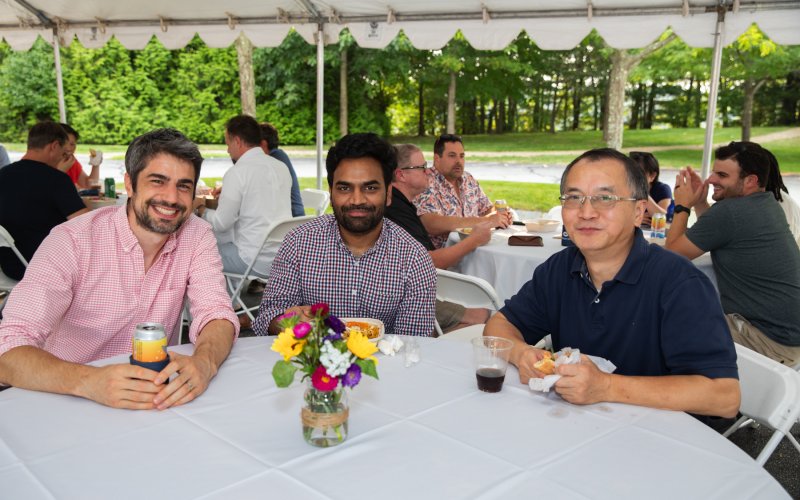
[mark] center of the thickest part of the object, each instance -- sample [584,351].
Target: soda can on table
[150,346]
[110,187]
[658,226]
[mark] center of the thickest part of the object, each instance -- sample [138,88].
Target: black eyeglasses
[418,167]
[599,202]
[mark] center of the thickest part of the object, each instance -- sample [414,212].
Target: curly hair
[755,160]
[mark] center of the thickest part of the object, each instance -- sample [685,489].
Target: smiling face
[726,181]
[451,163]
[601,232]
[358,195]
[164,191]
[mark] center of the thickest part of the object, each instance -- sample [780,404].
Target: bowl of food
[371,328]
[542,225]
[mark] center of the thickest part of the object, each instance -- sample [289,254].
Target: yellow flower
[359,344]
[287,345]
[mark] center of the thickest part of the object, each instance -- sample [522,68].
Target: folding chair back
[770,396]
[6,283]
[468,291]
[316,199]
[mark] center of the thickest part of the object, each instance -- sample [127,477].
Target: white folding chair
[316,199]
[7,284]
[275,233]
[770,397]
[468,291]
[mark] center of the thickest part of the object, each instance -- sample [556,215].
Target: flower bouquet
[330,362]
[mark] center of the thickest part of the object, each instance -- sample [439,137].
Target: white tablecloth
[420,432]
[507,268]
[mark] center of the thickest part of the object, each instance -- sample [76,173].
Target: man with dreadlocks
[756,259]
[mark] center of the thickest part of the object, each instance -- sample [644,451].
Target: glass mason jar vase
[324,416]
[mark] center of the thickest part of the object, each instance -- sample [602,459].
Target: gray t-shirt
[756,262]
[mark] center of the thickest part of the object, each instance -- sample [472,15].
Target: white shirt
[256,193]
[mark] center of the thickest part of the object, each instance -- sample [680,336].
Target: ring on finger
[190,386]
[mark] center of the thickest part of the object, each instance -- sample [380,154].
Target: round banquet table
[419,432]
[507,268]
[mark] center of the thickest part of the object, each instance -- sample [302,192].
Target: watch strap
[681,208]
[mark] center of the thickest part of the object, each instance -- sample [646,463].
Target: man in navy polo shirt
[613,295]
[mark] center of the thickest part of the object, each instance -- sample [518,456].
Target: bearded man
[94,278]
[359,263]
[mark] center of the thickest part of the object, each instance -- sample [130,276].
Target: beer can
[111,187]
[658,226]
[501,206]
[149,343]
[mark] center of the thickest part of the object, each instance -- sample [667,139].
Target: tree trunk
[554,112]
[791,100]
[576,105]
[247,79]
[651,104]
[750,88]
[482,120]
[500,122]
[343,96]
[698,104]
[637,107]
[451,104]
[622,62]
[421,108]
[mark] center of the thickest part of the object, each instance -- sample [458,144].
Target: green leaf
[368,367]
[283,373]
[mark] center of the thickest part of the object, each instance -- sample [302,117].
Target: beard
[359,225]
[155,224]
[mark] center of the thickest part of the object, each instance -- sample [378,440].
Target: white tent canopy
[490,25]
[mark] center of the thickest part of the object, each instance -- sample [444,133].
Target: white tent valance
[490,25]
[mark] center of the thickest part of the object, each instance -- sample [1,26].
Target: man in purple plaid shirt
[359,263]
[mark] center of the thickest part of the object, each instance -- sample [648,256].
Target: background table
[507,268]
[419,432]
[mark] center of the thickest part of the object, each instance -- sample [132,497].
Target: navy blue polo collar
[631,270]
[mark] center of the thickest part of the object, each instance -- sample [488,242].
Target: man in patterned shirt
[454,198]
[359,263]
[95,277]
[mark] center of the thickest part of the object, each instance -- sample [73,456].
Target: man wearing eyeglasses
[454,199]
[409,180]
[756,259]
[613,295]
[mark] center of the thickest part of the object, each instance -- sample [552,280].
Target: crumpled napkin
[568,356]
[390,345]
[95,158]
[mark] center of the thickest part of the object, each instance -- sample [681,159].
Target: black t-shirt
[34,198]
[403,213]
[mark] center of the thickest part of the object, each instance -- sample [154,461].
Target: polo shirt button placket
[597,300]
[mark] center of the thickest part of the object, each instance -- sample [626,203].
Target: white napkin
[390,345]
[95,158]
[568,356]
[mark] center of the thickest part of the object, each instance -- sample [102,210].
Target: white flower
[335,362]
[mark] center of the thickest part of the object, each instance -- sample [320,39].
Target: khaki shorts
[448,314]
[744,333]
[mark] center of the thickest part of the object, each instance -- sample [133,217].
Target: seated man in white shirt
[256,193]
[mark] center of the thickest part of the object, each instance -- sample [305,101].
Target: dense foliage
[113,94]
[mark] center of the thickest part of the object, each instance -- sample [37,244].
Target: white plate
[371,321]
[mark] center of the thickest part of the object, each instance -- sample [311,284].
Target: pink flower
[322,381]
[301,330]
[320,309]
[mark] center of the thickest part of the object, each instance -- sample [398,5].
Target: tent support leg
[711,112]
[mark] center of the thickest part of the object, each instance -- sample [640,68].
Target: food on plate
[546,365]
[369,330]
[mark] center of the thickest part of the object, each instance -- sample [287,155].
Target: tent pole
[320,96]
[62,110]
[711,112]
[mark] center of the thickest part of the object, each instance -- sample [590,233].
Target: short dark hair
[364,145]
[44,133]
[246,128]
[270,134]
[160,141]
[637,182]
[646,161]
[755,160]
[71,131]
[438,146]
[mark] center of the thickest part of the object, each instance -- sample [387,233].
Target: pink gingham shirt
[441,198]
[85,288]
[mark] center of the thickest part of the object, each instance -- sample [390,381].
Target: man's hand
[216,191]
[500,219]
[121,386]
[194,374]
[524,362]
[304,312]
[481,233]
[66,162]
[690,190]
[584,383]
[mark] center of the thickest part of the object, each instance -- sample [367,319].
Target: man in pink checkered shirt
[454,199]
[95,277]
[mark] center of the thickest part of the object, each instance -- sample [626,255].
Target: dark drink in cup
[490,379]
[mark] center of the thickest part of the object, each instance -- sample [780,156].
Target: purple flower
[352,377]
[335,324]
[333,337]
[301,330]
